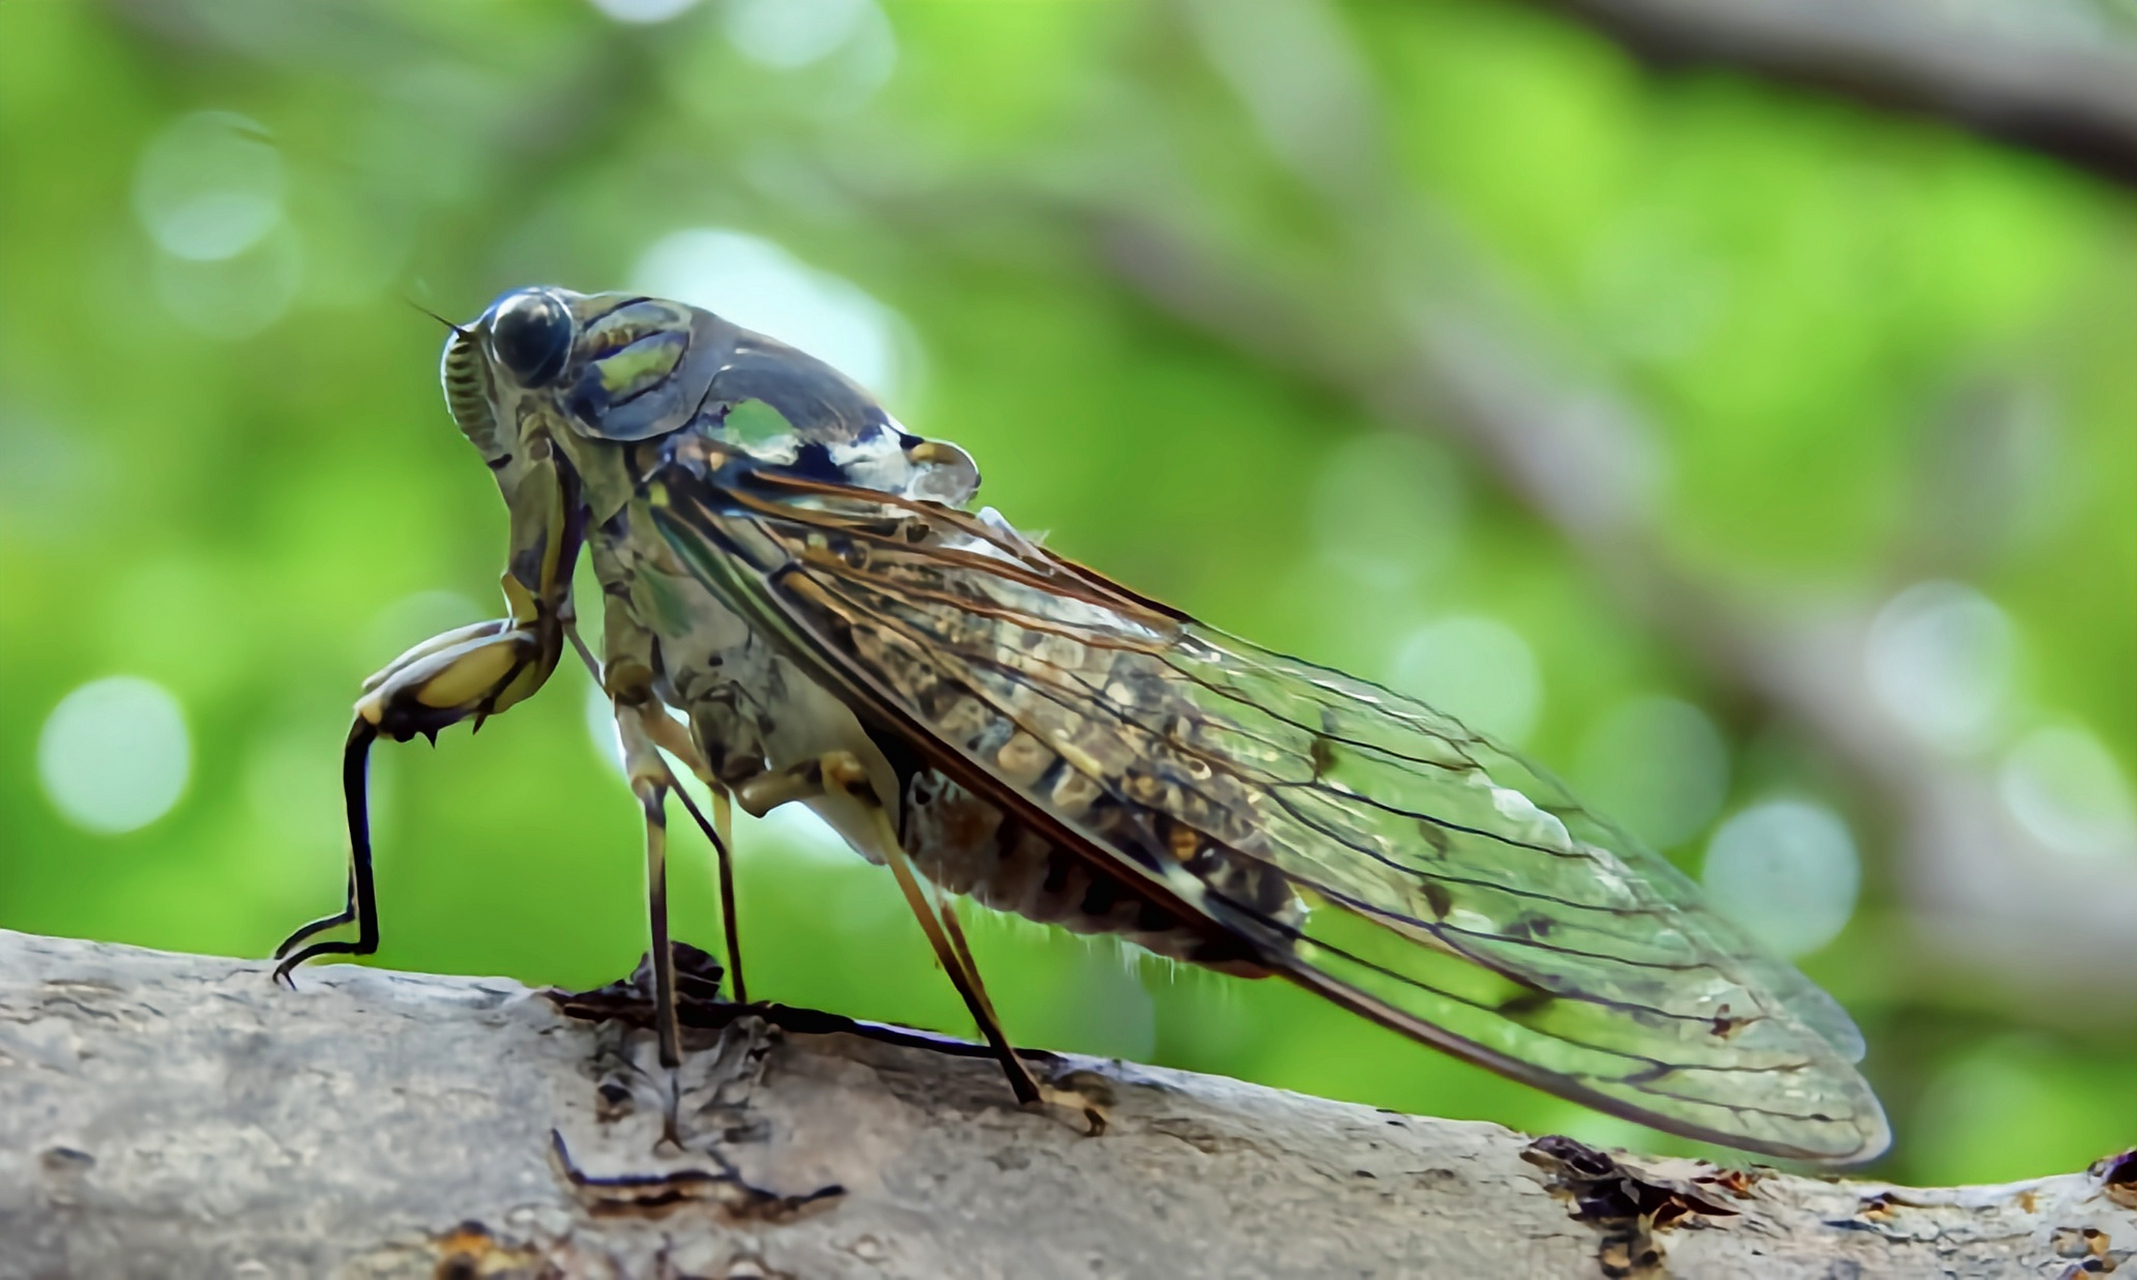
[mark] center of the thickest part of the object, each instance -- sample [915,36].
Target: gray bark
[177,1116]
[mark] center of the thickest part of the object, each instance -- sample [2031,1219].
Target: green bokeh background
[1872,351]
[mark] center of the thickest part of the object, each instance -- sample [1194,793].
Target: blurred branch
[185,1110]
[2058,76]
[1445,343]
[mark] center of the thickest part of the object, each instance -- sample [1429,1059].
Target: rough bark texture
[177,1116]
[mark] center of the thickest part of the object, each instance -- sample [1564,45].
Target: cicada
[804,583]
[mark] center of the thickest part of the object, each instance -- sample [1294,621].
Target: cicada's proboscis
[800,577]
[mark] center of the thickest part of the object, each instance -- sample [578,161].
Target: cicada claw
[361,904]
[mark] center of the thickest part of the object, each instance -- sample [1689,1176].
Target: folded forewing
[1363,844]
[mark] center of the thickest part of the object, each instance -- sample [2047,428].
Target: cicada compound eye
[530,335]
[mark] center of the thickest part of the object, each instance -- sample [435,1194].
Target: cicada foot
[1086,1107]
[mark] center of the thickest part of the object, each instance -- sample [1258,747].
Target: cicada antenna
[435,316]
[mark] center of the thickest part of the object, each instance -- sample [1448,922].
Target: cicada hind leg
[843,779]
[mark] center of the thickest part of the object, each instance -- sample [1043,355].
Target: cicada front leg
[472,672]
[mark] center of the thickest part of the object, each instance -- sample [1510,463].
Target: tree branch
[181,1116]
[2053,75]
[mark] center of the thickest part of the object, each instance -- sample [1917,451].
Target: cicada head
[621,367]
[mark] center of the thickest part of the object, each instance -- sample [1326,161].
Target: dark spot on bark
[2089,1243]
[469,1251]
[1627,1204]
[66,1160]
[1009,1160]
[1876,1207]
[2117,1175]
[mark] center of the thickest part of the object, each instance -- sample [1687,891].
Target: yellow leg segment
[940,901]
[841,777]
[1021,1081]
[722,835]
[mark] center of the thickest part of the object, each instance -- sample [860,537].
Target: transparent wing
[1364,845]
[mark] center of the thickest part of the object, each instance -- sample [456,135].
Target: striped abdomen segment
[968,846]
[1026,717]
